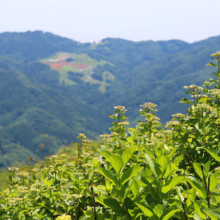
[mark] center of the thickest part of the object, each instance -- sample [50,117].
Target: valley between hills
[57,86]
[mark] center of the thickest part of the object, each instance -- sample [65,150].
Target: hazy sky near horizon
[93,20]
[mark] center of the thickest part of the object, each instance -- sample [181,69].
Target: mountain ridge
[34,102]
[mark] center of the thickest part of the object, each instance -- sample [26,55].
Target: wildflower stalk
[93,200]
[184,209]
[217,106]
[206,186]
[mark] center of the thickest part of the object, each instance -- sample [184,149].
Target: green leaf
[145,209]
[206,168]
[192,197]
[180,195]
[106,154]
[203,99]
[198,210]
[161,163]
[214,215]
[151,164]
[170,214]
[171,183]
[176,162]
[215,194]
[113,204]
[197,168]
[108,174]
[199,186]
[214,154]
[128,153]
[158,210]
[150,153]
[129,204]
[48,182]
[122,117]
[184,100]
[211,64]
[116,163]
[197,217]
[129,173]
[135,187]
[113,116]
[213,181]
[172,153]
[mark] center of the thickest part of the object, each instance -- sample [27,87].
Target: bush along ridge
[146,172]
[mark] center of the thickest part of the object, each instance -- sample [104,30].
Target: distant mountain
[56,86]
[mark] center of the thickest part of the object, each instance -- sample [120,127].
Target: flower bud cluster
[193,87]
[215,92]
[120,108]
[171,124]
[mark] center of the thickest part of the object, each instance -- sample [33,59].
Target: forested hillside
[37,100]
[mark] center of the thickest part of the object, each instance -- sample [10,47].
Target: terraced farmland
[82,65]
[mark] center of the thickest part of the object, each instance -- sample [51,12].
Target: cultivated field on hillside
[83,65]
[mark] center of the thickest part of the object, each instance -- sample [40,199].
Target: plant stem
[185,155]
[184,209]
[103,176]
[207,189]
[93,199]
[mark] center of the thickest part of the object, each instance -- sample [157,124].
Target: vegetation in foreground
[145,172]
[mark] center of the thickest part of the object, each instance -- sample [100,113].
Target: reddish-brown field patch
[58,65]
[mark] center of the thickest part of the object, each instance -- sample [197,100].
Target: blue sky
[93,20]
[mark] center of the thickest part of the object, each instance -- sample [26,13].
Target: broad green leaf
[206,168]
[214,215]
[168,171]
[128,153]
[129,204]
[177,161]
[187,101]
[113,116]
[191,197]
[214,154]
[211,64]
[172,153]
[135,187]
[151,164]
[213,182]
[108,174]
[170,214]
[199,186]
[198,210]
[122,117]
[139,179]
[158,210]
[48,182]
[113,204]
[150,153]
[129,173]
[197,217]
[162,161]
[215,194]
[203,99]
[145,209]
[180,195]
[198,170]
[106,154]
[116,163]
[171,183]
